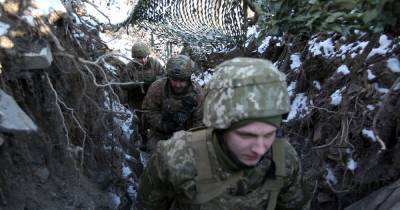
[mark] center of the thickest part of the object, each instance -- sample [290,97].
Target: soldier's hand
[189,103]
[180,118]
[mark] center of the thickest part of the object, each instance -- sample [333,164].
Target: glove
[189,103]
[180,119]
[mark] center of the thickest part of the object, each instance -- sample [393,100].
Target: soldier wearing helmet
[173,103]
[237,161]
[142,68]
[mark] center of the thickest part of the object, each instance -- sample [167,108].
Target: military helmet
[244,88]
[179,67]
[140,50]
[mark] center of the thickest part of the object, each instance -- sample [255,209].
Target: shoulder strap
[278,156]
[208,184]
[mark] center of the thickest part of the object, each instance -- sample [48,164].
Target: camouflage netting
[210,24]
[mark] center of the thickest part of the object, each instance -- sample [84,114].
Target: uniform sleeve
[154,193]
[152,106]
[126,73]
[293,195]
[169,175]
[160,70]
[198,113]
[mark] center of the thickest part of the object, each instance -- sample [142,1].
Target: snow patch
[298,108]
[264,45]
[383,48]
[3,28]
[116,12]
[370,107]
[371,75]
[393,64]
[326,46]
[369,134]
[353,49]
[46,7]
[115,200]
[336,97]
[291,88]
[330,177]
[343,69]
[351,164]
[317,85]
[380,89]
[126,171]
[203,78]
[296,62]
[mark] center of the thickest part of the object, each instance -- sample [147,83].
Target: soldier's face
[142,60]
[179,86]
[250,142]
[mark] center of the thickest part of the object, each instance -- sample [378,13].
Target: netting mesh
[215,24]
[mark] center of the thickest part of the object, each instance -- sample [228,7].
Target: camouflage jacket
[185,110]
[148,73]
[170,178]
[134,94]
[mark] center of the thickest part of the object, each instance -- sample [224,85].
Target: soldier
[142,68]
[173,103]
[237,161]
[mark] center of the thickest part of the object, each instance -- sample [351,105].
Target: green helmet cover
[179,67]
[244,88]
[140,49]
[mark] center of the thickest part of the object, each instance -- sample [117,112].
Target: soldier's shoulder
[177,153]
[292,160]
[157,85]
[132,65]
[155,62]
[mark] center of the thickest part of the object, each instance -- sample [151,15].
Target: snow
[115,200]
[336,97]
[371,75]
[264,45]
[296,62]
[44,8]
[126,171]
[369,134]
[370,107]
[28,19]
[203,78]
[123,120]
[330,177]
[383,48]
[317,85]
[352,48]
[3,28]
[351,164]
[326,46]
[116,12]
[291,88]
[252,33]
[380,89]
[343,69]
[298,108]
[393,64]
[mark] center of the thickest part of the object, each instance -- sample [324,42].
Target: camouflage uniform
[135,71]
[166,112]
[175,177]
